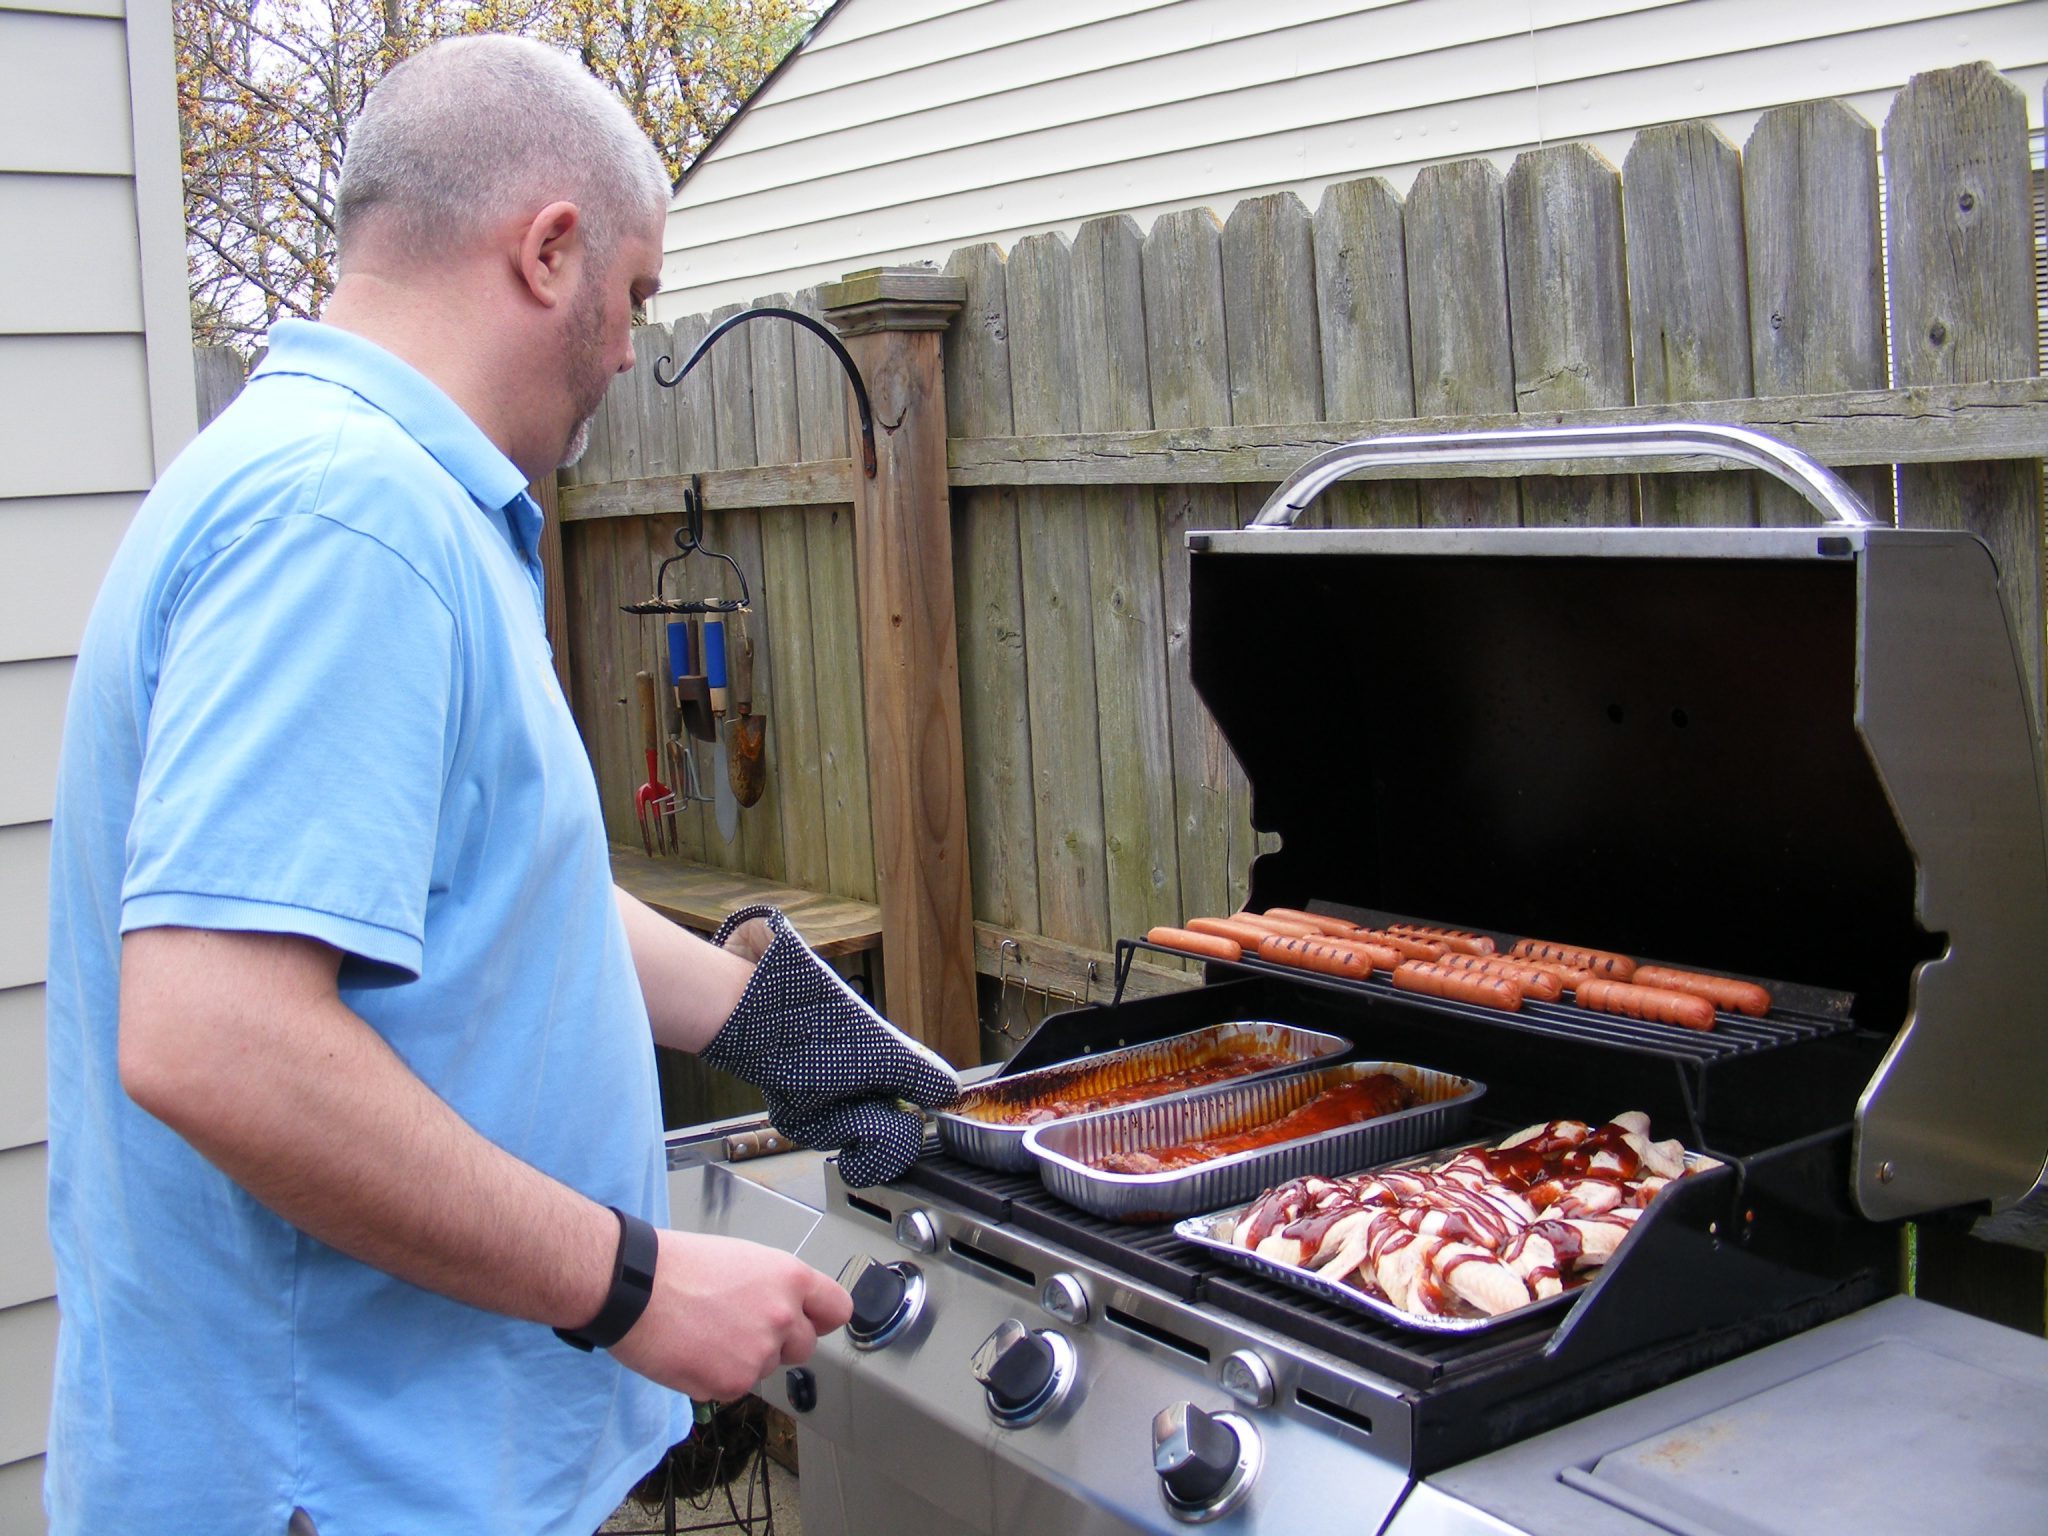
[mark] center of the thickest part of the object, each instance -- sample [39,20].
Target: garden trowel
[746,730]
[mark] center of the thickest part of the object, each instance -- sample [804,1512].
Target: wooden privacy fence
[1109,393]
[1106,394]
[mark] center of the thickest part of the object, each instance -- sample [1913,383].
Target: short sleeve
[297,745]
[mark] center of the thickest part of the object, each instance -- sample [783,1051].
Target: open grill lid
[1795,754]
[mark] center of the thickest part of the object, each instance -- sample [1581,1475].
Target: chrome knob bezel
[1251,1455]
[1066,1368]
[907,1312]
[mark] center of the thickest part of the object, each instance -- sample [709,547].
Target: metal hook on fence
[1006,951]
[817,328]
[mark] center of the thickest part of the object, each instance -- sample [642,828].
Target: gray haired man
[354,1129]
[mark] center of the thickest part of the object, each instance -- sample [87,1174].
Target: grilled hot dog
[1322,922]
[1601,962]
[1456,940]
[1292,927]
[1653,1004]
[1413,948]
[1381,957]
[1459,986]
[1208,945]
[1723,992]
[1246,935]
[1314,955]
[1542,986]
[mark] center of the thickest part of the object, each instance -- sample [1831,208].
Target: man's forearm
[239,1043]
[691,987]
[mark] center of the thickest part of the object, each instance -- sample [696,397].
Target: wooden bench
[847,935]
[840,929]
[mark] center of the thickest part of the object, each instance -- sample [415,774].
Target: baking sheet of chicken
[1458,1241]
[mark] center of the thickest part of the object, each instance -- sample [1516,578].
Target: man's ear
[550,247]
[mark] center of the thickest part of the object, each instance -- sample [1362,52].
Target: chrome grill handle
[1821,486]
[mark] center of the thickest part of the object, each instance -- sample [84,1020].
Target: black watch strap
[632,1287]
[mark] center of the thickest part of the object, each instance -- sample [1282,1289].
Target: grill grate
[1733,1034]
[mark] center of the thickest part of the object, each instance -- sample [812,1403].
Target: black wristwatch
[632,1287]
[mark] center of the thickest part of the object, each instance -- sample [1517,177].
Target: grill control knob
[1026,1373]
[1206,1462]
[886,1300]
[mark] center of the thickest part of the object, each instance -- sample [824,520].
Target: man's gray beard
[578,441]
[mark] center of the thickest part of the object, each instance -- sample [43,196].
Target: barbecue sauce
[1366,1098]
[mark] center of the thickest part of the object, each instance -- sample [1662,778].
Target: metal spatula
[723,804]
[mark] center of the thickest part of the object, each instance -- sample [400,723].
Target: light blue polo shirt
[315,698]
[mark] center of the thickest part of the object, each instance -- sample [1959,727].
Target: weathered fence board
[1269,317]
[1362,319]
[784,650]
[1184,341]
[1458,324]
[988,577]
[1126,599]
[1059,633]
[1963,306]
[1688,300]
[834,635]
[1816,289]
[1931,424]
[1568,311]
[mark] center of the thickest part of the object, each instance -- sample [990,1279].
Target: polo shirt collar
[418,405]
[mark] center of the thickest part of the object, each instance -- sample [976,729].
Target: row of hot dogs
[1467,967]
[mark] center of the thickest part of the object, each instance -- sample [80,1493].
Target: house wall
[908,128]
[96,391]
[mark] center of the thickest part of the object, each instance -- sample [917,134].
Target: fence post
[892,319]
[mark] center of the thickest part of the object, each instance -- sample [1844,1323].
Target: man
[348,1027]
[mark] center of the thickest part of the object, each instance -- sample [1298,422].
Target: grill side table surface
[1905,1417]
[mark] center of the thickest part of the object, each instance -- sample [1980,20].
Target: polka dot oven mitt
[830,1067]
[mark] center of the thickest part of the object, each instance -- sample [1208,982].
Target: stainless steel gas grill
[1796,755]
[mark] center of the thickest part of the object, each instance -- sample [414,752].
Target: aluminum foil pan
[1202,1231]
[970,1126]
[1065,1149]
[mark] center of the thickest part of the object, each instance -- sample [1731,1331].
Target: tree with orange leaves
[267,90]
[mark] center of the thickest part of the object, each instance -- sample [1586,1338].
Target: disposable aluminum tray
[1065,1149]
[1000,1145]
[1202,1231]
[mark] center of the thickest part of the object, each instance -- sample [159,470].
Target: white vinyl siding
[28,1343]
[903,131]
[71,264]
[26,1271]
[56,549]
[64,95]
[97,393]
[32,703]
[25,898]
[77,410]
[24,1069]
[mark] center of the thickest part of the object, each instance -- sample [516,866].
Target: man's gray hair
[474,130]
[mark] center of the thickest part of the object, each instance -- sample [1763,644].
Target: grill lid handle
[1820,485]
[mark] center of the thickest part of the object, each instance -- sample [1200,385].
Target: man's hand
[725,1313]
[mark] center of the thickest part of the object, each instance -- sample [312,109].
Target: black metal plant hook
[823,332]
